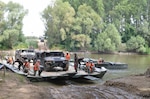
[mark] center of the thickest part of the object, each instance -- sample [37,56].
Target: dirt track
[18,87]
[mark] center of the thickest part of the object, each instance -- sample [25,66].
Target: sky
[33,25]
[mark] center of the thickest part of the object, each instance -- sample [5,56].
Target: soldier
[20,63]
[26,66]
[36,67]
[10,60]
[67,56]
[75,62]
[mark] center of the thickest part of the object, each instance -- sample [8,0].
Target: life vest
[36,66]
[68,56]
[87,64]
[91,67]
[27,65]
[10,60]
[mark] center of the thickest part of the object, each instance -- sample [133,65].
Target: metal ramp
[14,69]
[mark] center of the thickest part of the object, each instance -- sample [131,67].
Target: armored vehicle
[52,60]
[23,54]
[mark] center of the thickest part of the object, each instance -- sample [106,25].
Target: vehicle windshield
[61,54]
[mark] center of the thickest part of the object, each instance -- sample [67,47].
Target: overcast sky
[33,25]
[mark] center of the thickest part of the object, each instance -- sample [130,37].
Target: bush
[21,45]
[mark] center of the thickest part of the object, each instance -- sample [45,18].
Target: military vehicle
[23,54]
[52,60]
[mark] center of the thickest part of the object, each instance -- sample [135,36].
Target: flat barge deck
[55,74]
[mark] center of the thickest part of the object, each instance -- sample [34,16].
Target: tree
[82,41]
[136,44]
[11,33]
[96,5]
[58,22]
[88,22]
[109,40]
[2,7]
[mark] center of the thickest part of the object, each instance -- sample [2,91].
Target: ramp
[1,66]
[14,69]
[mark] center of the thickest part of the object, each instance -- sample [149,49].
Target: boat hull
[109,65]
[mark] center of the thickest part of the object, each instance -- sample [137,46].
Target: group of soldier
[90,67]
[25,64]
[37,68]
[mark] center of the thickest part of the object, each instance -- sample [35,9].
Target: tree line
[93,25]
[11,23]
[99,25]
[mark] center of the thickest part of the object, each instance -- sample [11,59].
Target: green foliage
[58,21]
[136,44]
[65,27]
[103,25]
[96,5]
[109,40]
[11,15]
[21,46]
[87,19]
[81,41]
[10,37]
[31,42]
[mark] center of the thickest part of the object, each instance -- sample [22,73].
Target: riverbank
[136,84]
[14,86]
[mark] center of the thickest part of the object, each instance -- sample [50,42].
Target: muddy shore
[14,86]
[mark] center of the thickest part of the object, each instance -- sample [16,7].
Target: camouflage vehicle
[52,60]
[24,54]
